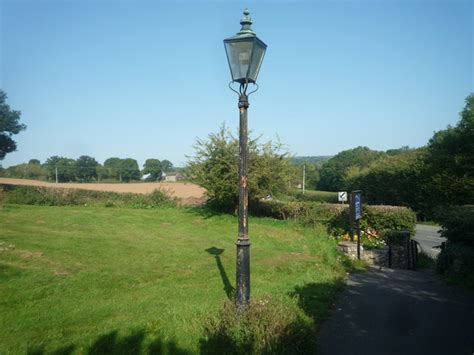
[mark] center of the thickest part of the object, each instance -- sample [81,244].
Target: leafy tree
[66,168]
[451,160]
[101,172]
[401,150]
[425,179]
[166,165]
[215,167]
[86,168]
[398,179]
[129,169]
[27,171]
[112,167]
[34,161]
[312,174]
[9,125]
[121,169]
[318,160]
[154,168]
[333,172]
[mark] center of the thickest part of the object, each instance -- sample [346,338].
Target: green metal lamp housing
[245,52]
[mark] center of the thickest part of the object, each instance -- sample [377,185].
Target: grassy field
[95,279]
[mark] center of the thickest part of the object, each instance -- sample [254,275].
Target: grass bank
[87,280]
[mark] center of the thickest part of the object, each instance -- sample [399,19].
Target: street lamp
[245,52]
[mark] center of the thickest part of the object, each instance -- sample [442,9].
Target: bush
[389,218]
[265,327]
[215,167]
[456,260]
[396,238]
[31,195]
[316,196]
[456,263]
[336,216]
[280,210]
[457,223]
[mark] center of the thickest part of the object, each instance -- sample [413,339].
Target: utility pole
[56,174]
[304,176]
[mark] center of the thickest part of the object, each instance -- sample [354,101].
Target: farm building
[173,176]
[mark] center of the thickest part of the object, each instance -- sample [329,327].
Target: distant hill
[318,159]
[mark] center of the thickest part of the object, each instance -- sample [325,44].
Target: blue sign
[357,205]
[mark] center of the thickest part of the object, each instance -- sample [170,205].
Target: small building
[172,177]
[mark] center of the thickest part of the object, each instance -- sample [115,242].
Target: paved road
[399,312]
[428,237]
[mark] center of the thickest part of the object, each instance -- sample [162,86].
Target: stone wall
[401,256]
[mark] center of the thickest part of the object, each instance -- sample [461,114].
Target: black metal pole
[390,255]
[243,243]
[351,216]
[358,239]
[407,236]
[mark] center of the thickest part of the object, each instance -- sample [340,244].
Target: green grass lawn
[84,279]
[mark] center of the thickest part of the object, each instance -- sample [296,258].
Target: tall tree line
[425,179]
[87,169]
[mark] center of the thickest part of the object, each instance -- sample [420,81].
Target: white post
[304,177]
[56,175]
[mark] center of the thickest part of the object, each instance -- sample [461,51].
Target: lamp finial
[246,22]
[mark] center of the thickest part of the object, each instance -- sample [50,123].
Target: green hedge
[316,196]
[336,216]
[31,195]
[456,260]
[457,223]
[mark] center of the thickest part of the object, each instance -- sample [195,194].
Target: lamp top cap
[246,22]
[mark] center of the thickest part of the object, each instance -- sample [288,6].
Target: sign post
[355,212]
[342,196]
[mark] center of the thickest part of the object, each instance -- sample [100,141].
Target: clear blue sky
[143,79]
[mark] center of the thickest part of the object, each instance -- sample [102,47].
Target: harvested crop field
[188,193]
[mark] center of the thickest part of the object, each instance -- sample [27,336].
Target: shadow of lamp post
[228,288]
[245,52]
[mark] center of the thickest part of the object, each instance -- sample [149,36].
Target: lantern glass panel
[239,55]
[257,58]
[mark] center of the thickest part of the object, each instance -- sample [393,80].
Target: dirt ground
[188,193]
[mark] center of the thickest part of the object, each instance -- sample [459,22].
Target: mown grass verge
[94,280]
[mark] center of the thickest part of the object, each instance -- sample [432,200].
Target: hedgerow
[336,216]
[31,195]
[456,260]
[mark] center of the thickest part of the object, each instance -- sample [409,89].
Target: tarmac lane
[387,311]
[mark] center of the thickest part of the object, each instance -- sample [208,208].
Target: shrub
[389,218]
[456,260]
[280,210]
[265,327]
[336,216]
[396,238]
[30,195]
[457,223]
[456,263]
[215,167]
[316,196]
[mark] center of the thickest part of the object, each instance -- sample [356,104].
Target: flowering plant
[370,238]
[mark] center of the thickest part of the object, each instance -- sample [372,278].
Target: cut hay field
[96,280]
[188,193]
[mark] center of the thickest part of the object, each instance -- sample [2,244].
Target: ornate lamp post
[245,52]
